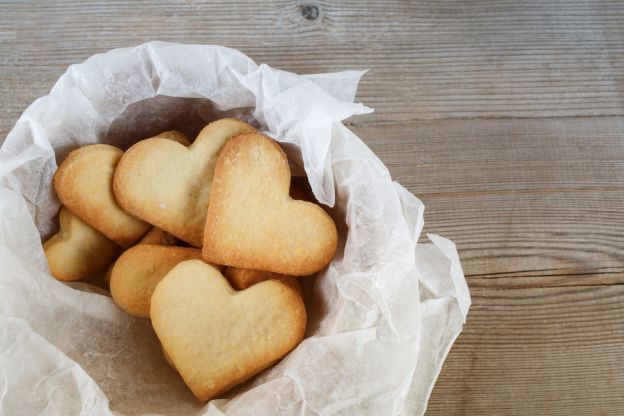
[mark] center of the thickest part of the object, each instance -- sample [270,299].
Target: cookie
[241,279]
[158,237]
[176,136]
[138,270]
[216,337]
[252,222]
[77,250]
[83,183]
[169,185]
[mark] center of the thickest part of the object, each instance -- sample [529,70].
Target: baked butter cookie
[253,223]
[138,270]
[84,184]
[158,237]
[169,185]
[77,250]
[241,279]
[216,337]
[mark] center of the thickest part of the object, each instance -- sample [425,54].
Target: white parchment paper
[382,316]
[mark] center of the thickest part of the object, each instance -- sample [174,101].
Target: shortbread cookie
[168,185]
[252,223]
[84,184]
[217,337]
[138,270]
[77,250]
[241,279]
[176,136]
[158,237]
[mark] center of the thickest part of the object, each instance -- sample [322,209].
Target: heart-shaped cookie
[241,279]
[252,222]
[158,237]
[169,185]
[139,269]
[217,337]
[77,250]
[84,184]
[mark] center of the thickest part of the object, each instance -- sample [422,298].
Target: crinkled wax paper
[383,315]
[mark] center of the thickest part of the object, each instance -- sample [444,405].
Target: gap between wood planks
[549,278]
[356,123]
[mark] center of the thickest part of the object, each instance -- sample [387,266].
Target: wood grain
[529,202]
[505,117]
[539,351]
[427,60]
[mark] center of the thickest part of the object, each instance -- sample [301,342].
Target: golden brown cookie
[158,237]
[83,184]
[217,337]
[168,185]
[78,250]
[252,222]
[241,279]
[138,270]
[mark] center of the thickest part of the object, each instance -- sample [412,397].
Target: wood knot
[309,11]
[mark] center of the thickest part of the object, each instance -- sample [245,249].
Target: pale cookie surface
[83,183]
[241,279]
[77,250]
[252,222]
[169,185]
[139,269]
[176,136]
[217,337]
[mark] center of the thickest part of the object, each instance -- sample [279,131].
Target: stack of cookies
[209,239]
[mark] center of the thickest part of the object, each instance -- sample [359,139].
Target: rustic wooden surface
[507,119]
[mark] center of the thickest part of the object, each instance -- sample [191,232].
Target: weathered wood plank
[427,60]
[537,352]
[528,202]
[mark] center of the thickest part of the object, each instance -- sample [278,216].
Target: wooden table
[505,117]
